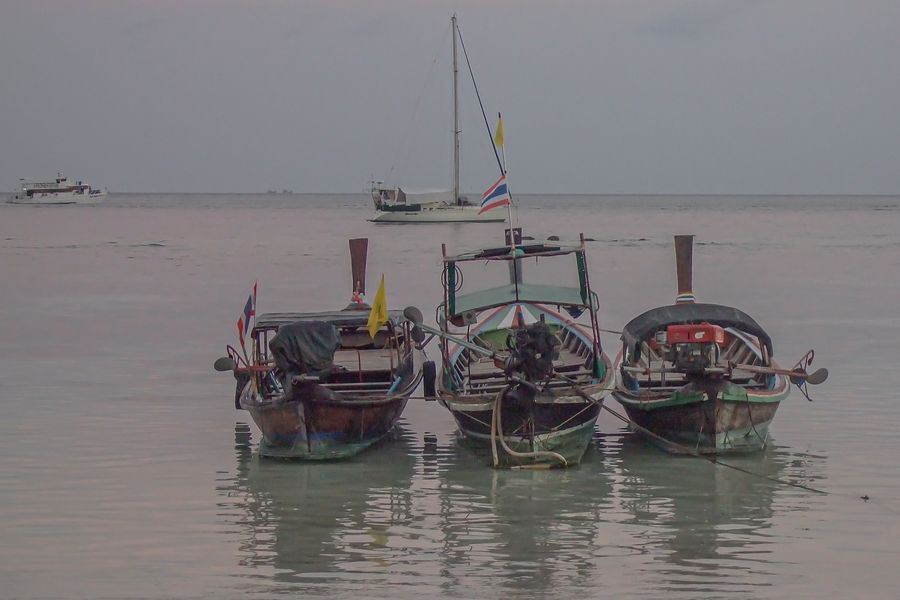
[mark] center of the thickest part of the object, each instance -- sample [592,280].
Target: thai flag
[496,195]
[243,322]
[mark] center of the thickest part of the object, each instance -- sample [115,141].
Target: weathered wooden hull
[317,423]
[565,427]
[705,422]
[314,430]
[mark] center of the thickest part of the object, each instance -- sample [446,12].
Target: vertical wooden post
[358,250]
[684,245]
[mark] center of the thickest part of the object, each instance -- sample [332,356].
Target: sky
[597,97]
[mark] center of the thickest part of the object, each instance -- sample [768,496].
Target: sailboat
[395,205]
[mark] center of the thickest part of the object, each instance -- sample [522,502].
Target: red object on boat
[704,333]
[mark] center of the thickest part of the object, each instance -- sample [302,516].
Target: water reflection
[708,523]
[521,531]
[422,511]
[302,519]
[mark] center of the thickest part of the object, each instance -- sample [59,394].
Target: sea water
[127,473]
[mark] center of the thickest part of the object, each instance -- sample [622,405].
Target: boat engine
[532,350]
[692,349]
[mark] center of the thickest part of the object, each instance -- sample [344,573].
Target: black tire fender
[429,377]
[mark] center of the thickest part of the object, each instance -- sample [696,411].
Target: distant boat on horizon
[57,191]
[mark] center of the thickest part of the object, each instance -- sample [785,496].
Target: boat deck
[480,375]
[383,359]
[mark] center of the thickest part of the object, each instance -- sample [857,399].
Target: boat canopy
[338,318]
[529,249]
[642,327]
[517,290]
[522,292]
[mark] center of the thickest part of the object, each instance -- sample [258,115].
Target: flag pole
[510,206]
[502,135]
[255,312]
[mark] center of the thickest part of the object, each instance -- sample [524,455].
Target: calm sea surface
[125,471]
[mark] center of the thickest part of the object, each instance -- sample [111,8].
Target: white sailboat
[394,205]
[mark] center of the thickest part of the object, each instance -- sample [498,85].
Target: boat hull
[564,426]
[442,214]
[704,422]
[58,198]
[313,429]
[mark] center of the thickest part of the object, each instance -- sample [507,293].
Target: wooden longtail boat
[701,378]
[317,384]
[518,376]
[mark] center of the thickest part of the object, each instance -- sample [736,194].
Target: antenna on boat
[684,249]
[498,140]
[455,114]
[358,250]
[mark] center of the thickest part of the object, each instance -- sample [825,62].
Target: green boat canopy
[523,292]
[530,248]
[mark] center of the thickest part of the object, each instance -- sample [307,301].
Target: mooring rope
[687,450]
[684,449]
[497,434]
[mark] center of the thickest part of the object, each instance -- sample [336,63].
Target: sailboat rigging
[394,205]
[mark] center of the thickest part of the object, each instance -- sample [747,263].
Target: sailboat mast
[455,116]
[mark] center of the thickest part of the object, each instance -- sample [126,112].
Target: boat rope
[686,449]
[713,459]
[576,415]
[480,104]
[497,435]
[474,418]
[764,440]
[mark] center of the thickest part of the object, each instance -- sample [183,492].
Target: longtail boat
[701,378]
[518,376]
[318,384]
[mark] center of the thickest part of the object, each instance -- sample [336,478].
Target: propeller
[224,363]
[413,314]
[817,377]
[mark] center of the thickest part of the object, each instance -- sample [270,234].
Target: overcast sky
[619,96]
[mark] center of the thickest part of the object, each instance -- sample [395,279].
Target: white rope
[497,434]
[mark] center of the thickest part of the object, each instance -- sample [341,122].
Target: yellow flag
[498,137]
[379,314]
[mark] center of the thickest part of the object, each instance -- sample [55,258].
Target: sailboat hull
[441,214]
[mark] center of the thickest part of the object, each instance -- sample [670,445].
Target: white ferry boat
[58,191]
